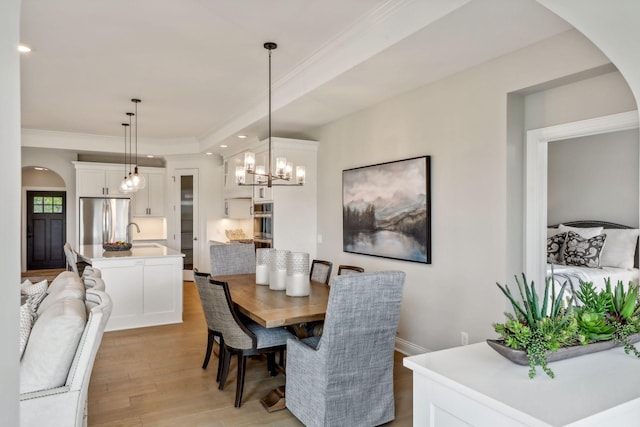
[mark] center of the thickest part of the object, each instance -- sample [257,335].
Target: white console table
[475,386]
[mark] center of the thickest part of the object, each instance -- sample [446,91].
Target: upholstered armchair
[237,258]
[345,377]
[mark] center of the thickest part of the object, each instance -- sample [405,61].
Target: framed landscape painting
[386,210]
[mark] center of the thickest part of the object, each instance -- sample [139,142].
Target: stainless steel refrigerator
[103,219]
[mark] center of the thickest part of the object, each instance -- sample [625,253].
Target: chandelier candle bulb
[300,174]
[239,175]
[262,266]
[298,283]
[281,166]
[278,269]
[249,161]
[260,174]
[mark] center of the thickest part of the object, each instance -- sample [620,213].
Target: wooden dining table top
[273,309]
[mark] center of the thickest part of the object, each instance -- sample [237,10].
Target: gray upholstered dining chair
[349,269]
[71,258]
[214,324]
[345,377]
[320,271]
[234,258]
[244,338]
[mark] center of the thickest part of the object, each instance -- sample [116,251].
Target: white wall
[594,177]
[10,215]
[461,122]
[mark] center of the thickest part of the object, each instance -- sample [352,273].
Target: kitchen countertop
[90,253]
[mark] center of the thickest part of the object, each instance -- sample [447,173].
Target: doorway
[187,219]
[46,229]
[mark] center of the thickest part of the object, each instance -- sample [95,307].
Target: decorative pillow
[554,248]
[583,252]
[620,249]
[34,293]
[27,316]
[586,233]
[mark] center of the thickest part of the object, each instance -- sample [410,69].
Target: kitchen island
[145,283]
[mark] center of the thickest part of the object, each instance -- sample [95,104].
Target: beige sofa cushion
[52,345]
[61,280]
[69,288]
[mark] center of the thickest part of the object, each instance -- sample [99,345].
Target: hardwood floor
[153,377]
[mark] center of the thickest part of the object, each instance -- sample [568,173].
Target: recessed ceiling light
[242,136]
[23,48]
[223,146]
[38,168]
[208,153]
[150,156]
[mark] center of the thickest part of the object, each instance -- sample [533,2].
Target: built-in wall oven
[263,224]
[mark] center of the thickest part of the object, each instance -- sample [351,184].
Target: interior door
[46,229]
[187,227]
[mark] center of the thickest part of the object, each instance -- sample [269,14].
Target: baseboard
[408,348]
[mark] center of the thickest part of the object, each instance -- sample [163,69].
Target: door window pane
[48,204]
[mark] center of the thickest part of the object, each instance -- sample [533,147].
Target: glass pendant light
[139,181]
[124,188]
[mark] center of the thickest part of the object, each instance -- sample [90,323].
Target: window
[47,204]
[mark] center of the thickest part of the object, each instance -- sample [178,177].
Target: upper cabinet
[98,179]
[103,180]
[231,189]
[150,200]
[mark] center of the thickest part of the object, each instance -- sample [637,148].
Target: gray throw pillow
[583,252]
[554,248]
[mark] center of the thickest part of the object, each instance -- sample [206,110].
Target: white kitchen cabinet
[98,179]
[231,189]
[238,208]
[149,201]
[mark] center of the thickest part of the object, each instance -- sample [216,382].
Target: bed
[592,251]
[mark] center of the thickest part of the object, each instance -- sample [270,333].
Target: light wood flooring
[153,377]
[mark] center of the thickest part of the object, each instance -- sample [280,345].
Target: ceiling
[200,68]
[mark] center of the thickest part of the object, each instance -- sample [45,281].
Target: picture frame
[386,210]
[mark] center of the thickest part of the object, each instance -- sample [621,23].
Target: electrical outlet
[464,338]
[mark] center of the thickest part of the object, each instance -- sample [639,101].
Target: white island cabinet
[145,284]
[475,386]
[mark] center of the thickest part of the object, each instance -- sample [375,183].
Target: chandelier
[282,176]
[132,182]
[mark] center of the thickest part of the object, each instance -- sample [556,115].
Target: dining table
[274,309]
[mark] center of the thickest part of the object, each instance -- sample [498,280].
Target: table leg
[274,400]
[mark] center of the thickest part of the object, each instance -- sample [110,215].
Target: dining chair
[214,323]
[244,339]
[349,269]
[236,258]
[71,258]
[345,377]
[320,271]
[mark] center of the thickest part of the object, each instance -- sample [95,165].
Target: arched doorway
[45,218]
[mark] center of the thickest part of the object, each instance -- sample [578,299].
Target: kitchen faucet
[129,236]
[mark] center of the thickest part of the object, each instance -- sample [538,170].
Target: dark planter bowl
[112,247]
[520,356]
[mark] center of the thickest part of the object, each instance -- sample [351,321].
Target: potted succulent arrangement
[548,329]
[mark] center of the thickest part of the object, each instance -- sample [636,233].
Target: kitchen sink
[142,246]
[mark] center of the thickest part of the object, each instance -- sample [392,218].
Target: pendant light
[139,181]
[283,170]
[124,187]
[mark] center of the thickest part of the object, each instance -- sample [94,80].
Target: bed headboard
[605,224]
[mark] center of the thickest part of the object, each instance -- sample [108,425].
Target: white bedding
[574,275]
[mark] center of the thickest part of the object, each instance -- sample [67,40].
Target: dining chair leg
[220,359]
[226,360]
[242,365]
[207,356]
[271,364]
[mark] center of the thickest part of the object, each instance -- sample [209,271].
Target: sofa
[58,357]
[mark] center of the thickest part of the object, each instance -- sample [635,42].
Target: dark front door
[46,229]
